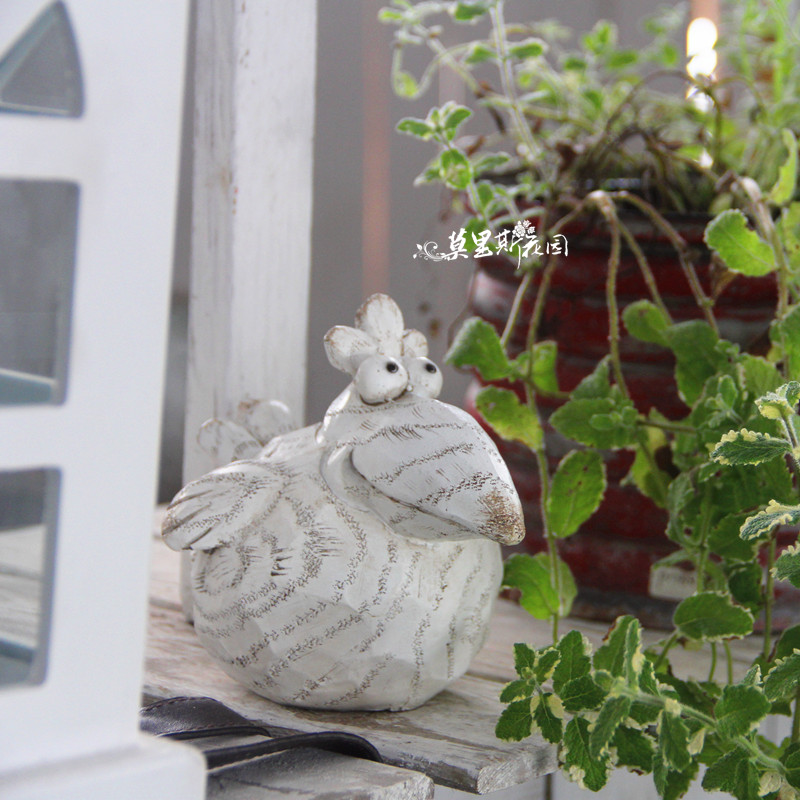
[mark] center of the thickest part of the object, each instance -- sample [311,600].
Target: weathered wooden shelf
[450,739]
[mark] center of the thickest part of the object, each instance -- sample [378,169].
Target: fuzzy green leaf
[672,784]
[744,582]
[477,345]
[531,576]
[548,716]
[529,48]
[724,540]
[455,169]
[740,709]
[741,248]
[581,694]
[712,617]
[596,384]
[479,52]
[468,12]
[786,333]
[515,722]
[784,678]
[524,659]
[646,475]
[749,447]
[791,762]
[487,163]
[511,419]
[760,376]
[612,714]
[621,59]
[634,749]
[780,403]
[789,231]
[621,653]
[517,690]
[582,420]
[455,117]
[546,661]
[576,491]
[673,741]
[721,773]
[785,185]
[405,84]
[542,368]
[587,770]
[415,127]
[697,357]
[789,642]
[764,522]
[574,662]
[787,566]
[645,321]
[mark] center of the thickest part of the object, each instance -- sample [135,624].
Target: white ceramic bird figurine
[353,564]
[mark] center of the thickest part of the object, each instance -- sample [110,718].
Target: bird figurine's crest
[351,564]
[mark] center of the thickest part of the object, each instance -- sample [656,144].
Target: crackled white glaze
[352,564]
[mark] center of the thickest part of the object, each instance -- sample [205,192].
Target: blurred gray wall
[368,217]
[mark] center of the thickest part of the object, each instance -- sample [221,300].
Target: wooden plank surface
[308,774]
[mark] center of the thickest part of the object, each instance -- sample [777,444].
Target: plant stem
[705,303]
[729,658]
[705,524]
[796,717]
[507,82]
[673,427]
[787,424]
[713,667]
[552,547]
[769,598]
[606,208]
[667,647]
[647,273]
[516,307]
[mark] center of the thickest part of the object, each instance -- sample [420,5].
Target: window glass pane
[38,226]
[41,74]
[28,506]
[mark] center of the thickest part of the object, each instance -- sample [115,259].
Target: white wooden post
[254,100]
[73,731]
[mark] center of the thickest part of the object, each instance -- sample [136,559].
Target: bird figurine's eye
[425,378]
[380,379]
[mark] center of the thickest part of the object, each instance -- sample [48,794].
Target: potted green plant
[586,136]
[583,138]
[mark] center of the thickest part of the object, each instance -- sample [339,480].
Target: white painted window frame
[76,733]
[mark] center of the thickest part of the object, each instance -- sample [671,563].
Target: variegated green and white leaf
[787,567]
[764,522]
[783,401]
[749,447]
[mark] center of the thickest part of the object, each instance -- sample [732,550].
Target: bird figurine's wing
[227,441]
[219,507]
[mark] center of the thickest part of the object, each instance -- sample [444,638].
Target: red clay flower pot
[611,555]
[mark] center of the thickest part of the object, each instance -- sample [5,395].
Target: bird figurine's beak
[432,472]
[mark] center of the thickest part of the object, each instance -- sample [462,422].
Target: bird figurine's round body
[354,564]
